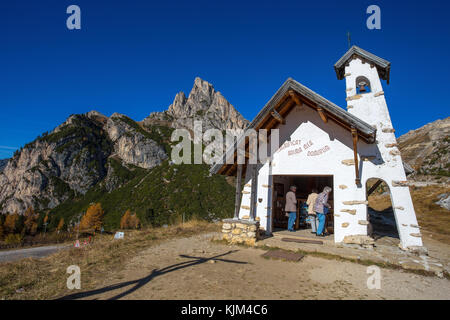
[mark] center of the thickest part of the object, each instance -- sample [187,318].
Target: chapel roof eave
[383,66]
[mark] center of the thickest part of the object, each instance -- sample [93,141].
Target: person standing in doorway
[319,207]
[291,207]
[311,213]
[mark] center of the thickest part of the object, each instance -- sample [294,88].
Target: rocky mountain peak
[202,92]
[203,103]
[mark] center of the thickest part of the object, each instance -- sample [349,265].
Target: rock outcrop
[204,103]
[427,149]
[444,201]
[132,143]
[49,170]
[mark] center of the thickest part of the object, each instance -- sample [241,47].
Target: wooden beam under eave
[222,169]
[322,114]
[355,155]
[269,117]
[231,169]
[282,112]
[278,117]
[295,97]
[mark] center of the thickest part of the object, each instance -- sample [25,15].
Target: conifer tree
[60,225]
[93,217]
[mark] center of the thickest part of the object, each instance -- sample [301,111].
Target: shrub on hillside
[15,238]
[129,221]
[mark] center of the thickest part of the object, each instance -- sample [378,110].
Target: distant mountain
[427,149]
[3,163]
[203,103]
[90,157]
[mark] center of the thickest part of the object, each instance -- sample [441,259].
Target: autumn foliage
[9,225]
[129,221]
[60,225]
[31,219]
[93,217]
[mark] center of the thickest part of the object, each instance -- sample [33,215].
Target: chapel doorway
[305,184]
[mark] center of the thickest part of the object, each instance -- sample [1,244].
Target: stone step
[287,234]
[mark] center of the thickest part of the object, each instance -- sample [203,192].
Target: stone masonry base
[240,231]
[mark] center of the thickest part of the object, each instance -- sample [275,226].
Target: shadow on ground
[155,273]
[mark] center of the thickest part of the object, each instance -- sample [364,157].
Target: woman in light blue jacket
[320,207]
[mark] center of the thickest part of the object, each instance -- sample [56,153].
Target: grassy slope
[433,220]
[159,196]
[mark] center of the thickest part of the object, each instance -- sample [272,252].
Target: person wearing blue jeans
[291,221]
[321,226]
[291,207]
[314,222]
[321,207]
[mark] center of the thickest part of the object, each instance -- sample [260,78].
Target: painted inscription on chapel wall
[295,147]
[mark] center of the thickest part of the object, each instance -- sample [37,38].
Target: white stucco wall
[305,134]
[372,108]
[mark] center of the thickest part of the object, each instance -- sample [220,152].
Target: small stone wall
[240,231]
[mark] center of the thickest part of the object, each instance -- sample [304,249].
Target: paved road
[37,252]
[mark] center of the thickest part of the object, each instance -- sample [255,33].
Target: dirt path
[195,268]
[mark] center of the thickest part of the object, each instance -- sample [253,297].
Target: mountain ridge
[426,150]
[90,149]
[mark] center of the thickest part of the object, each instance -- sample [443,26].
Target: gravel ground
[196,268]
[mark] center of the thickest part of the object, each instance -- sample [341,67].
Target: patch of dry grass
[433,220]
[46,278]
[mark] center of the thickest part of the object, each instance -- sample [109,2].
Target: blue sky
[133,56]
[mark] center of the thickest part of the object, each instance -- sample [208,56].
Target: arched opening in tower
[380,213]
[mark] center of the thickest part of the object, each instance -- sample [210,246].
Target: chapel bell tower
[363,73]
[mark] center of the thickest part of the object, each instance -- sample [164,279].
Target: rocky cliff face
[74,158]
[91,149]
[132,143]
[203,103]
[427,149]
[56,166]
